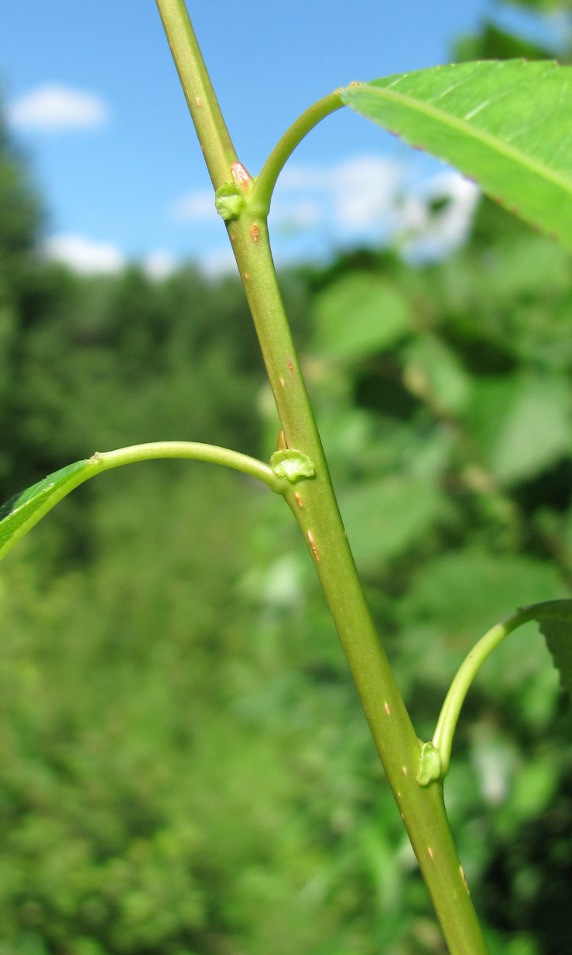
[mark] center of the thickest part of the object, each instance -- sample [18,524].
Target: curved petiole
[190,450]
[22,512]
[447,722]
[261,194]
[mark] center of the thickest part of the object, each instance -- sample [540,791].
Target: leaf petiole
[22,512]
[447,722]
[261,195]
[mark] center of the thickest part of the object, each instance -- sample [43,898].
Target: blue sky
[93,98]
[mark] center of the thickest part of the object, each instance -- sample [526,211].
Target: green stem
[263,188]
[447,722]
[191,451]
[212,133]
[315,508]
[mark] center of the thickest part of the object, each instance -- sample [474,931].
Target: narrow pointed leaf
[24,510]
[507,125]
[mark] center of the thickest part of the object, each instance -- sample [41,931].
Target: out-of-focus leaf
[450,590]
[503,124]
[434,374]
[534,785]
[359,315]
[543,6]
[521,424]
[528,264]
[494,43]
[384,518]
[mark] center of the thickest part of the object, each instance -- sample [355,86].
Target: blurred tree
[549,19]
[20,221]
[20,211]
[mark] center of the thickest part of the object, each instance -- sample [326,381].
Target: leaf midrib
[460,125]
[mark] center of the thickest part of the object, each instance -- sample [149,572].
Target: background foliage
[185,768]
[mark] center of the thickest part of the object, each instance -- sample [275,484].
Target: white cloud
[195,207]
[428,233]
[159,265]
[362,200]
[84,255]
[54,107]
[218,262]
[369,198]
[291,217]
[303,177]
[364,192]
[354,195]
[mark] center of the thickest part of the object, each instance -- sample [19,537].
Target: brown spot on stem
[313,545]
[254,232]
[241,176]
[290,366]
[298,500]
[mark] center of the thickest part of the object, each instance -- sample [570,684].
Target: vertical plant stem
[213,136]
[314,506]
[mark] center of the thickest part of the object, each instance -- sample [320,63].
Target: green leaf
[521,423]
[503,124]
[24,510]
[527,265]
[494,43]
[448,592]
[555,623]
[359,315]
[434,373]
[387,517]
